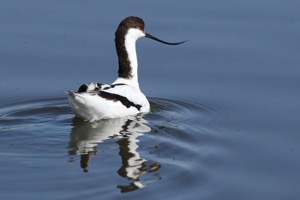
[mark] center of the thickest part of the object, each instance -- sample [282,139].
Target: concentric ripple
[175,137]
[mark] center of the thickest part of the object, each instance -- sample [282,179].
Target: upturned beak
[159,40]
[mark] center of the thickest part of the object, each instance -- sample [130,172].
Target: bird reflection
[86,136]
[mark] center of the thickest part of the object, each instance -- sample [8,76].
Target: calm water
[225,105]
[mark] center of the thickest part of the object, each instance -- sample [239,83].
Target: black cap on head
[136,22]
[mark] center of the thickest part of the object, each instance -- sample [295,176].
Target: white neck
[132,57]
[131,37]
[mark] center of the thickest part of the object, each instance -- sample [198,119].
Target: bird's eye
[140,26]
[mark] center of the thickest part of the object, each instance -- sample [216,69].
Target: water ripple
[176,135]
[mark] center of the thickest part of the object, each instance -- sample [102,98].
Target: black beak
[159,40]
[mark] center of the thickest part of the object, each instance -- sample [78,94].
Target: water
[225,105]
[45,144]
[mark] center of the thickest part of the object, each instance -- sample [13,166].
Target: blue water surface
[225,117]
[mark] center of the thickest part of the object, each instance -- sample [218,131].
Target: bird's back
[96,101]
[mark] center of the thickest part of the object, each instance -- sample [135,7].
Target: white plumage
[91,106]
[123,97]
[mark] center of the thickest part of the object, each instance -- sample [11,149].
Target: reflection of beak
[159,40]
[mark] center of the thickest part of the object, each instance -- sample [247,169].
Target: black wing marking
[116,97]
[97,87]
[83,88]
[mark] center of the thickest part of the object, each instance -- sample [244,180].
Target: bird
[96,101]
